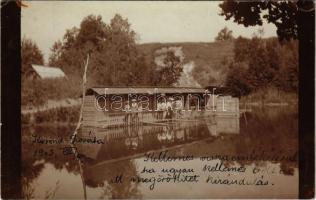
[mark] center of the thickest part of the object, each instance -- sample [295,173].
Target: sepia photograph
[160,99]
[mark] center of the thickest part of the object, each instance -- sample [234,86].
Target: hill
[210,60]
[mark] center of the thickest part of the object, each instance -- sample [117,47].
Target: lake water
[262,145]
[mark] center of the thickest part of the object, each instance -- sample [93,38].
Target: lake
[220,157]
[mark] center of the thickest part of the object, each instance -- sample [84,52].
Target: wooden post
[84,81]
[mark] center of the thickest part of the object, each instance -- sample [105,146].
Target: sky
[189,21]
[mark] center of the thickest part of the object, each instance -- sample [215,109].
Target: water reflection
[122,152]
[134,140]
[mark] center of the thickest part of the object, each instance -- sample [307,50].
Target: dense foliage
[262,63]
[170,70]
[281,13]
[30,54]
[115,60]
[112,47]
[37,92]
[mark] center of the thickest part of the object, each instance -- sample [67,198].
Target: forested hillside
[210,59]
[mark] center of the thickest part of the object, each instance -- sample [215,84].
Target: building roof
[220,90]
[143,90]
[48,72]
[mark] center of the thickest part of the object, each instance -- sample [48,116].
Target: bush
[271,95]
[61,114]
[37,92]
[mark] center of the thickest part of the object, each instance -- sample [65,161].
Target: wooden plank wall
[107,119]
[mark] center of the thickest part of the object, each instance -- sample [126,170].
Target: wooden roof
[48,72]
[219,90]
[143,90]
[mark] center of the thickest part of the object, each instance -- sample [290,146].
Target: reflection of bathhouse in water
[114,107]
[136,140]
[223,124]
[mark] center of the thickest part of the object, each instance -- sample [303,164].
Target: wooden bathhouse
[108,107]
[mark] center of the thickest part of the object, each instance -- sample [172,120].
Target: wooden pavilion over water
[123,106]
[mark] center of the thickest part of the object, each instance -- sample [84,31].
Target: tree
[242,49]
[69,53]
[237,81]
[287,77]
[170,72]
[262,63]
[281,13]
[224,35]
[260,70]
[114,58]
[56,50]
[30,54]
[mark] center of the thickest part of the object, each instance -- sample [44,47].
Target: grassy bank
[270,97]
[55,115]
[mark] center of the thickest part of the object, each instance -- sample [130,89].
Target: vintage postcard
[159,99]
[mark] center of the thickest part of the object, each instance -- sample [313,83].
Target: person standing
[134,110]
[169,106]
